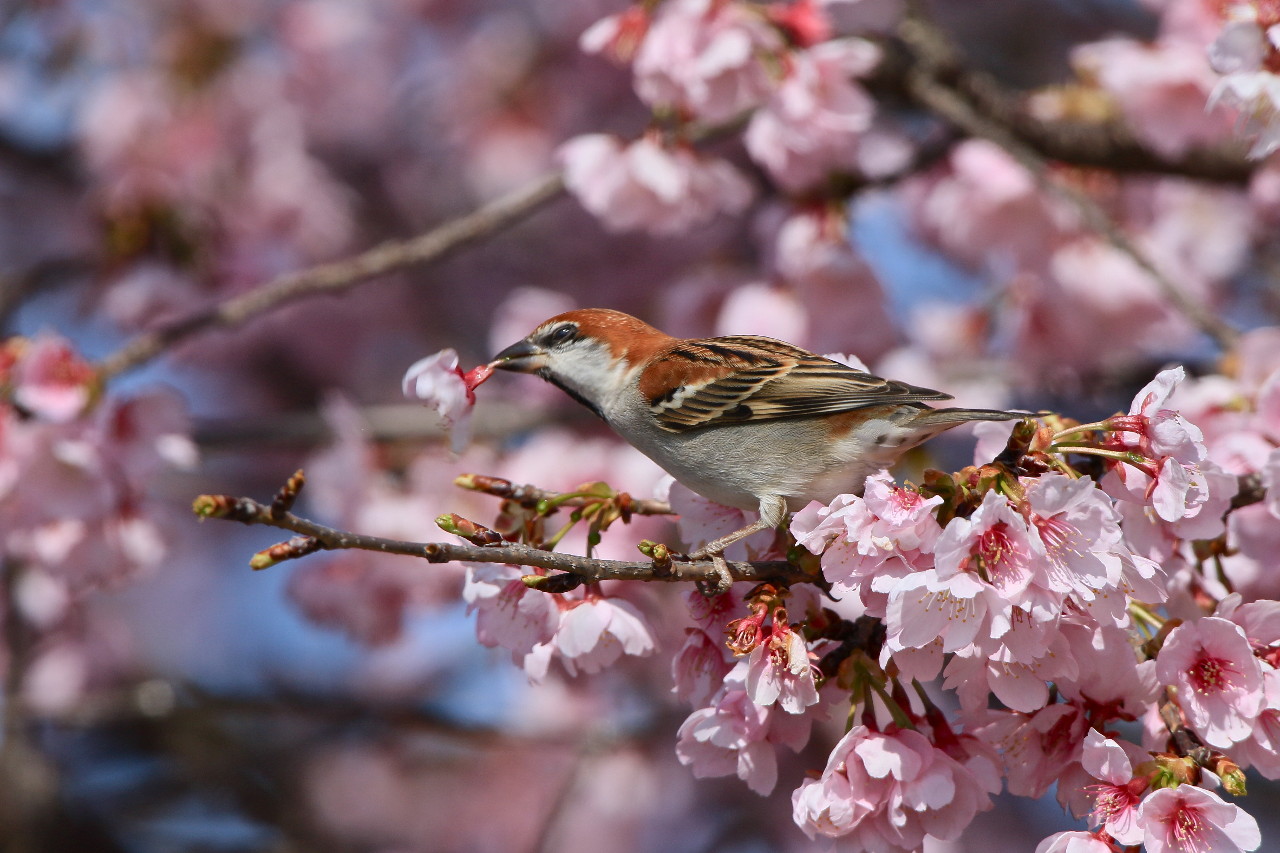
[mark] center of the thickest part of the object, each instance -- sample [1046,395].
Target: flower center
[1211,675]
[1059,535]
[1112,800]
[1188,828]
[993,552]
[905,499]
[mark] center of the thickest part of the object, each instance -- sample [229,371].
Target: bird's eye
[561,334]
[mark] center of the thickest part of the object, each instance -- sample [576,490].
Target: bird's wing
[702,383]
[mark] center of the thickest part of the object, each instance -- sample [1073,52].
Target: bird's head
[591,353]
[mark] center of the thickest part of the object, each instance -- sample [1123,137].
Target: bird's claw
[723,577]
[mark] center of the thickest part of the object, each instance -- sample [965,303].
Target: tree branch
[339,275]
[1108,144]
[315,536]
[925,82]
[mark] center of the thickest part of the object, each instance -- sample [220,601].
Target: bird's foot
[723,577]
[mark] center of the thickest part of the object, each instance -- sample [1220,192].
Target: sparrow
[745,421]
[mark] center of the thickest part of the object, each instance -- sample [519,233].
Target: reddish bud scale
[553,584]
[496,486]
[226,506]
[1233,778]
[292,549]
[288,494]
[476,534]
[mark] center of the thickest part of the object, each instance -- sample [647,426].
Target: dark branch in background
[1250,491]
[29,781]
[339,275]
[1109,144]
[44,274]
[925,82]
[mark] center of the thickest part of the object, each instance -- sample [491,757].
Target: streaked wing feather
[751,378]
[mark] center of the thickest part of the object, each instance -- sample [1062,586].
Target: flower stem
[900,716]
[1143,614]
[1096,426]
[1121,455]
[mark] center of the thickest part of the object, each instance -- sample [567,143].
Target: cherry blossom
[813,124]
[1261,748]
[1244,54]
[1162,89]
[779,670]
[1218,679]
[1183,485]
[511,616]
[649,185]
[440,383]
[1271,482]
[813,253]
[710,59]
[868,541]
[1190,818]
[594,633]
[986,566]
[734,735]
[762,309]
[1109,674]
[617,36]
[1074,841]
[1116,800]
[1037,748]
[892,789]
[1079,533]
[50,379]
[699,668]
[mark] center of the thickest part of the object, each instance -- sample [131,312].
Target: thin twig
[924,83]
[590,570]
[339,275]
[1107,143]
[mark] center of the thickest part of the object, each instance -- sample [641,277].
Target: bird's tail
[941,417]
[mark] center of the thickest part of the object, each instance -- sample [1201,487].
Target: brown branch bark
[588,569]
[339,275]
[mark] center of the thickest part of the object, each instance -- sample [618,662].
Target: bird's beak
[521,357]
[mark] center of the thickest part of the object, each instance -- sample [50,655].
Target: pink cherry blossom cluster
[75,491]
[1043,597]
[1247,55]
[708,62]
[990,214]
[584,632]
[79,504]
